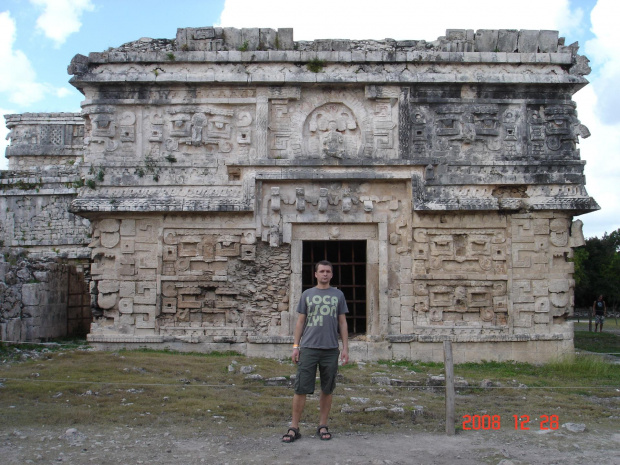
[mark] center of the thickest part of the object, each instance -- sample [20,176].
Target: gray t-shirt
[321,307]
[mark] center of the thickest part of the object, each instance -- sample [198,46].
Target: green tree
[597,270]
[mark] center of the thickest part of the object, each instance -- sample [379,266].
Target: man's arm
[299,329]
[344,334]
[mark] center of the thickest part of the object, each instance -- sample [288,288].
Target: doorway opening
[349,260]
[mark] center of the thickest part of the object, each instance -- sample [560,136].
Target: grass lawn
[606,342]
[73,385]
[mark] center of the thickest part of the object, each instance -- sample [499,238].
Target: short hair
[324,263]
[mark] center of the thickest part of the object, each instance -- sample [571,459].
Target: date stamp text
[518,422]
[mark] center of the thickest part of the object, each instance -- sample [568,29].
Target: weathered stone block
[507,40]
[487,40]
[285,38]
[548,41]
[233,38]
[31,294]
[252,37]
[528,41]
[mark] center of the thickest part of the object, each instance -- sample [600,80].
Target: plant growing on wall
[315,65]
[150,166]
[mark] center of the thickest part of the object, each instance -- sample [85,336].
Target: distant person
[321,315]
[599,312]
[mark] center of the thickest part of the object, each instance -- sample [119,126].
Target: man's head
[324,263]
[323,272]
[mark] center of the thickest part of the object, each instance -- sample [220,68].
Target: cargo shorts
[309,359]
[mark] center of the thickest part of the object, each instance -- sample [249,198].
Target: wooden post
[449,367]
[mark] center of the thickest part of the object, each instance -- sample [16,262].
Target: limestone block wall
[42,298]
[35,209]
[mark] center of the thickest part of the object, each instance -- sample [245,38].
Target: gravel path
[124,445]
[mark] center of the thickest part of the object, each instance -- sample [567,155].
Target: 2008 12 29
[521,422]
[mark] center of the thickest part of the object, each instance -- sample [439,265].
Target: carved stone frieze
[477,132]
[461,303]
[461,252]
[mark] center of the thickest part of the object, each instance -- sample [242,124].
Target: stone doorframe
[376,237]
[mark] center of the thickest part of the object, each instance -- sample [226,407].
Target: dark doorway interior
[349,260]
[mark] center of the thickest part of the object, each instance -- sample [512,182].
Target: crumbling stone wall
[35,208]
[42,297]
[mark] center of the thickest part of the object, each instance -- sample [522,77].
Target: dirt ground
[148,446]
[570,444]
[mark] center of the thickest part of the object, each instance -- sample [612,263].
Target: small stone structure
[218,164]
[44,261]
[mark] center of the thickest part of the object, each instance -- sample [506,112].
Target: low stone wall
[538,351]
[583,313]
[42,296]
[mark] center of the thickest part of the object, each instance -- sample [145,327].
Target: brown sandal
[325,436]
[288,437]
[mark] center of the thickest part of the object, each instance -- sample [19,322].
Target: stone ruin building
[442,179]
[44,258]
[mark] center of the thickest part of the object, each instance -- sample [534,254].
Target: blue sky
[38,38]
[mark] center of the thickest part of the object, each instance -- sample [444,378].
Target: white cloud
[605,55]
[63,92]
[602,166]
[569,22]
[598,109]
[396,19]
[18,78]
[61,18]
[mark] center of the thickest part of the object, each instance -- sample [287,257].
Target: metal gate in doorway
[349,260]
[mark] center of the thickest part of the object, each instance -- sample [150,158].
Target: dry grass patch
[197,391]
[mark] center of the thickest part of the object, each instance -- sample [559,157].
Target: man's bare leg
[325,405]
[299,402]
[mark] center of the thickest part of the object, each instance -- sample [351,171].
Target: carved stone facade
[212,163]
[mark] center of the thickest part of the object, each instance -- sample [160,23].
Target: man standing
[599,312]
[321,315]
